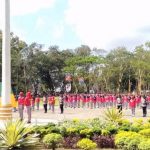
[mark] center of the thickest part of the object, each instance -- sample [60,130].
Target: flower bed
[84,134]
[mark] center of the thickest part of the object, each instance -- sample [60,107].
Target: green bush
[86,133]
[137,125]
[46,129]
[97,131]
[72,131]
[125,125]
[52,140]
[16,134]
[144,144]
[86,144]
[127,140]
[105,132]
[63,131]
[111,128]
[145,133]
[146,125]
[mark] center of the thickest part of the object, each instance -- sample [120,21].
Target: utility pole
[5,108]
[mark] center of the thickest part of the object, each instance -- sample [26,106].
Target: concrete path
[39,117]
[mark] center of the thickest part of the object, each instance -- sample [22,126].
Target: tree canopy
[119,70]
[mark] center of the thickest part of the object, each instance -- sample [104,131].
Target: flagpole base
[6,112]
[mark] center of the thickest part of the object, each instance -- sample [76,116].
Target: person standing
[45,103]
[132,105]
[21,105]
[61,104]
[33,103]
[52,102]
[27,103]
[78,100]
[119,103]
[144,105]
[37,101]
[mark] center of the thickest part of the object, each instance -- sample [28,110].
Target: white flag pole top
[5,110]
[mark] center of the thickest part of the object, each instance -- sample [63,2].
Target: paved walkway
[39,117]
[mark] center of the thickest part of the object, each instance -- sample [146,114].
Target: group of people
[24,102]
[107,101]
[91,101]
[27,102]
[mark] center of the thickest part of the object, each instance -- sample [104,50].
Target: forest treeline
[119,70]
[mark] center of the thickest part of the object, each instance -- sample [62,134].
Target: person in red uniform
[21,105]
[52,102]
[33,102]
[132,105]
[37,101]
[27,103]
[125,101]
[78,100]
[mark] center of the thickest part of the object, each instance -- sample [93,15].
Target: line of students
[108,100]
[102,100]
[82,100]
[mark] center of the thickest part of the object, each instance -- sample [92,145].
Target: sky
[104,24]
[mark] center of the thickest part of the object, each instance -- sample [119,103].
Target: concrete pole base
[6,112]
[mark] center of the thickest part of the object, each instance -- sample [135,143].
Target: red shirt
[132,103]
[51,100]
[37,99]
[27,101]
[21,100]
[78,97]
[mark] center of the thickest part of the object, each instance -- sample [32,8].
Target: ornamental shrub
[86,144]
[145,133]
[46,129]
[112,115]
[127,140]
[137,125]
[52,140]
[144,144]
[72,131]
[125,125]
[86,133]
[146,125]
[16,134]
[71,141]
[104,141]
[111,128]
[97,131]
[105,132]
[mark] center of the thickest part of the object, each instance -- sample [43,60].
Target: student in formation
[132,105]
[119,103]
[65,97]
[61,104]
[27,103]
[45,102]
[21,105]
[52,102]
[37,101]
[33,103]
[144,105]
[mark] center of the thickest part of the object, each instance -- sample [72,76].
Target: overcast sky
[104,24]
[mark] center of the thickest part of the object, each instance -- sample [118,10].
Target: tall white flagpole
[5,109]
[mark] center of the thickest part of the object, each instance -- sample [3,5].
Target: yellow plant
[16,134]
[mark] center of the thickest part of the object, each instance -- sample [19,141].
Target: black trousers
[119,107]
[144,111]
[61,108]
[45,107]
